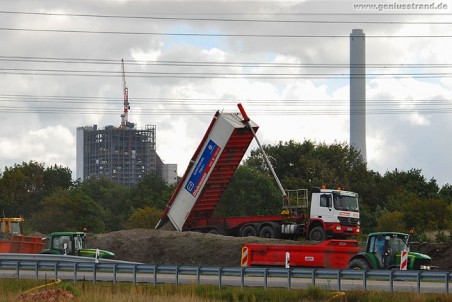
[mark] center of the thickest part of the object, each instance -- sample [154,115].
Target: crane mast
[125,114]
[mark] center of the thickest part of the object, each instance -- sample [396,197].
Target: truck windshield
[346,203]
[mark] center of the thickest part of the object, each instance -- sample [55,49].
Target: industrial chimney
[358,91]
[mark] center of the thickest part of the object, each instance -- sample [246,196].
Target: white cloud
[407,116]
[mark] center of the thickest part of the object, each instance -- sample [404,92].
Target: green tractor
[384,250]
[73,243]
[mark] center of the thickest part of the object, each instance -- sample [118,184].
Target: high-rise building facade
[122,154]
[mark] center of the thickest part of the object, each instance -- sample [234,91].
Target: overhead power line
[76,105]
[29,98]
[235,20]
[68,31]
[209,111]
[216,75]
[97,61]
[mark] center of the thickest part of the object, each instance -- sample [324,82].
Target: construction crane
[125,115]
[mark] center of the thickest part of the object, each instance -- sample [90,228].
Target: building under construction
[122,154]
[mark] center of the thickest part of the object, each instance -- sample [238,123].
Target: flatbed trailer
[266,226]
[332,253]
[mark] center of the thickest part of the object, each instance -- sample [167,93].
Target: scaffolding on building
[122,154]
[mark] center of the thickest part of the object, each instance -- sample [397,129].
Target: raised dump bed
[210,171]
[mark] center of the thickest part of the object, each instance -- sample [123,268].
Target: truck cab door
[324,209]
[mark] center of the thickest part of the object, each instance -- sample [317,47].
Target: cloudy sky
[285,61]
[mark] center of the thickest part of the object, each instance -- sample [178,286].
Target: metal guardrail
[55,258]
[72,267]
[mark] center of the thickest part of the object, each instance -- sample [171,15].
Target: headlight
[425,267]
[338,227]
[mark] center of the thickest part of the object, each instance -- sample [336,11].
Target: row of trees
[50,201]
[404,200]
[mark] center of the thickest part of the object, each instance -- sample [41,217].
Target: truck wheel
[248,230]
[358,264]
[317,234]
[267,232]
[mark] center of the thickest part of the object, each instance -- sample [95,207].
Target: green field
[25,290]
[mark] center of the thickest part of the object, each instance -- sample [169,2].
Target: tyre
[358,264]
[248,230]
[267,232]
[317,234]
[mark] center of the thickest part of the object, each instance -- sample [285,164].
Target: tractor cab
[72,243]
[387,248]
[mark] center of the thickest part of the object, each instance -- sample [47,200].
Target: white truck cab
[333,213]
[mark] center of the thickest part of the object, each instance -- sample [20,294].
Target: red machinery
[13,241]
[328,254]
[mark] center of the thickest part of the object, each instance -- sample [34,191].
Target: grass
[10,290]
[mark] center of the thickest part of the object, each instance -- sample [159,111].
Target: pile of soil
[192,248]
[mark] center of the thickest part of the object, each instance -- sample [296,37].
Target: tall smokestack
[358,91]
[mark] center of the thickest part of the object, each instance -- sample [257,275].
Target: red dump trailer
[12,240]
[22,244]
[328,254]
[191,207]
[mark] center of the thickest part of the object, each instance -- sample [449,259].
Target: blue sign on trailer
[202,168]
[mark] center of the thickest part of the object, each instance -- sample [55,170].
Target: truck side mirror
[65,248]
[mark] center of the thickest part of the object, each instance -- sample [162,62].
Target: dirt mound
[191,248]
[441,253]
[171,247]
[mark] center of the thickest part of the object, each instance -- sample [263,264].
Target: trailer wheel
[358,264]
[248,230]
[267,232]
[317,234]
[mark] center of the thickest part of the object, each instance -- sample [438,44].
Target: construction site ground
[191,248]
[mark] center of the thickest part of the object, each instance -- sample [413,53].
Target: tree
[146,217]
[427,215]
[249,193]
[69,210]
[309,164]
[391,221]
[151,191]
[112,197]
[446,193]
[23,186]
[408,181]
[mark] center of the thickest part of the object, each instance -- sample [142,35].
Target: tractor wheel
[248,230]
[358,264]
[317,234]
[267,232]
